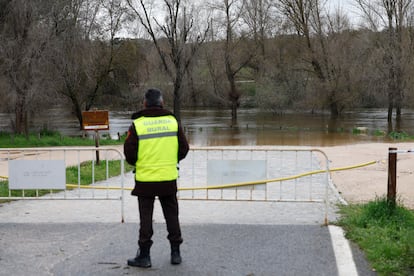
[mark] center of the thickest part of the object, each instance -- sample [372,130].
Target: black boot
[175,255]
[142,259]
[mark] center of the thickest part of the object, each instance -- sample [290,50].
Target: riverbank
[364,184]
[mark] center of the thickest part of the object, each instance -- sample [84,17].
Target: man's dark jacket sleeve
[183,146]
[131,146]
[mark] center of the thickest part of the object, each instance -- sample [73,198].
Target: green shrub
[356,131]
[378,132]
[396,135]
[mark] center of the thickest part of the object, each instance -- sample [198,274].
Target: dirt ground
[366,183]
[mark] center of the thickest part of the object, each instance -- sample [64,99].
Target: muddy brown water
[213,127]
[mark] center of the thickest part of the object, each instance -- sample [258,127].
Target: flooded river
[207,127]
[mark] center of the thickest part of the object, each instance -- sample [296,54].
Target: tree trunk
[20,111]
[398,101]
[398,124]
[78,111]
[21,123]
[233,93]
[334,110]
[391,90]
[191,87]
[234,97]
[390,108]
[234,113]
[390,127]
[398,113]
[177,100]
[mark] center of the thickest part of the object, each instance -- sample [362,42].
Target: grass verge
[51,139]
[385,232]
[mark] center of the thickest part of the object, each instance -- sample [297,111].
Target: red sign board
[95,120]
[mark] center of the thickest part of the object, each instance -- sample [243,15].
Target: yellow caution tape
[233,185]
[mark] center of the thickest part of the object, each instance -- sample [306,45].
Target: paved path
[209,249]
[79,237]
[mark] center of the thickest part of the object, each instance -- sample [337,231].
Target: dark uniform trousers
[169,205]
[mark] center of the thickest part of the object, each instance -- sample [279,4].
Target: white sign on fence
[236,171]
[37,174]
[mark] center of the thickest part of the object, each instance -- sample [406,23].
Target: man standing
[154,145]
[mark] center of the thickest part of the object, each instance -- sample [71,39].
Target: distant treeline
[273,55]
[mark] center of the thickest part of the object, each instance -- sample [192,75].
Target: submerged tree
[82,56]
[236,51]
[23,40]
[315,28]
[393,16]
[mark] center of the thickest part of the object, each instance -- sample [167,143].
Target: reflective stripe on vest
[157,148]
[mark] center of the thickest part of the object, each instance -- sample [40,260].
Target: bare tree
[69,55]
[181,40]
[314,27]
[237,51]
[213,54]
[114,13]
[391,15]
[23,40]
[261,19]
[274,82]
[83,53]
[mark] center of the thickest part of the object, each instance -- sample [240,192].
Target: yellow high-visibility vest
[157,148]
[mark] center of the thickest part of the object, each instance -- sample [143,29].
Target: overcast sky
[349,7]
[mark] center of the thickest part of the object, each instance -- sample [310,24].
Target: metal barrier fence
[207,173]
[289,174]
[40,173]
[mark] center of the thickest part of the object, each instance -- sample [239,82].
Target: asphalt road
[209,249]
[84,237]
[69,237]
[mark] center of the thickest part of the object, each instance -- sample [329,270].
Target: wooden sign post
[95,120]
[392,176]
